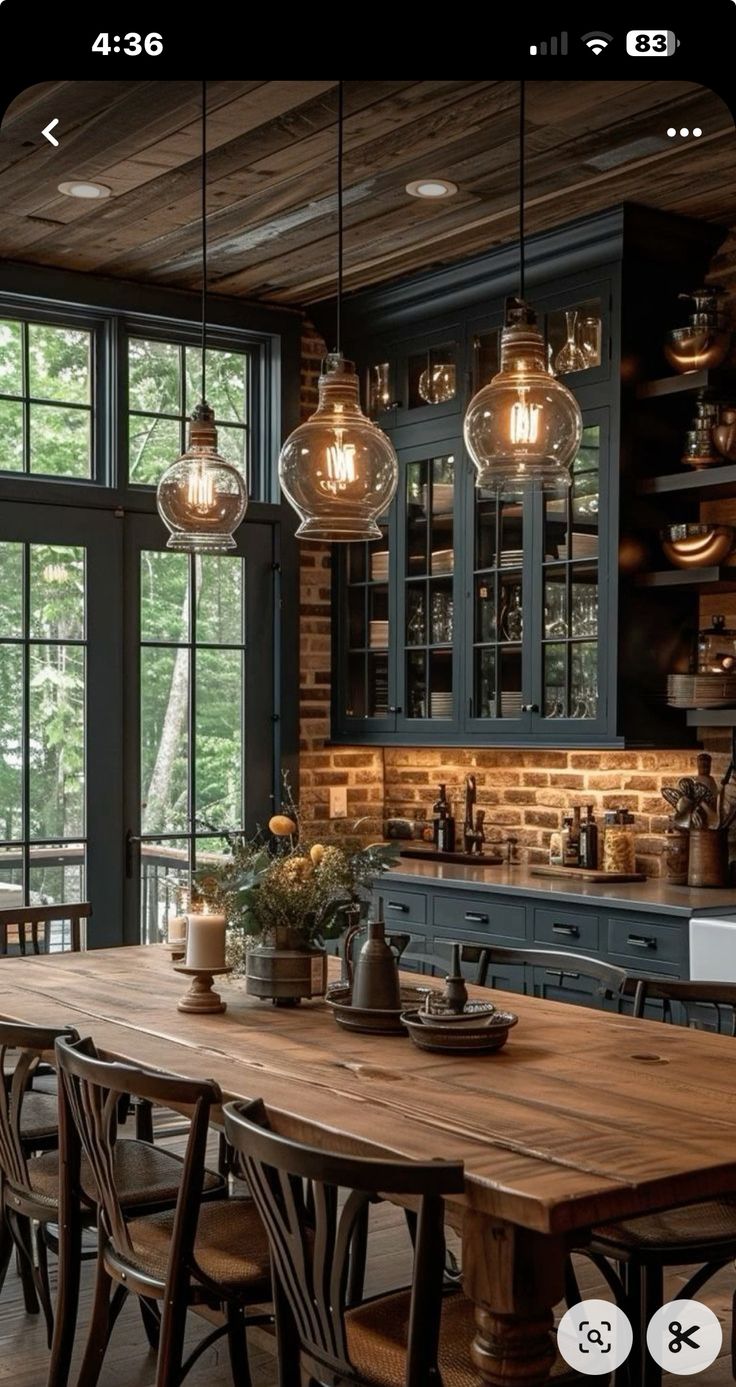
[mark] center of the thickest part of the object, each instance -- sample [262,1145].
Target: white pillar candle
[205,942]
[177,929]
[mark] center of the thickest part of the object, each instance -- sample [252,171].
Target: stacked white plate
[511,558]
[441,705]
[379,634]
[379,566]
[510,705]
[443,561]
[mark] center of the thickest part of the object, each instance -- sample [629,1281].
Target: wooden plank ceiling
[272,174]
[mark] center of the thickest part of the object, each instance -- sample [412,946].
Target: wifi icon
[597,41]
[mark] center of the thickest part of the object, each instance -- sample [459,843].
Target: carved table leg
[515,1277]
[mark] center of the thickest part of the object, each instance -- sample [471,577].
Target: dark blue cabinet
[476,620]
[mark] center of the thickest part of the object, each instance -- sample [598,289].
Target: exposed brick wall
[524,791]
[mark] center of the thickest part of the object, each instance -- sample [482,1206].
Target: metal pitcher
[374,977]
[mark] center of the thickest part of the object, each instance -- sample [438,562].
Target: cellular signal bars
[552,48]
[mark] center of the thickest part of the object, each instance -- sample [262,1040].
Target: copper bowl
[697,546]
[696,348]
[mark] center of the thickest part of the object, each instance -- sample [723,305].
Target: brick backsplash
[524,791]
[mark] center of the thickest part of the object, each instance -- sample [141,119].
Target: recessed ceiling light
[86,190]
[431,187]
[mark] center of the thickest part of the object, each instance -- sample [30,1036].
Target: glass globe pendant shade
[201,497]
[523,430]
[338,470]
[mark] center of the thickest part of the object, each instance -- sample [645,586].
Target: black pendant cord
[522,135]
[340,147]
[204,240]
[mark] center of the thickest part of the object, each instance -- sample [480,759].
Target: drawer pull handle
[397,905]
[555,973]
[642,941]
[476,917]
[571,931]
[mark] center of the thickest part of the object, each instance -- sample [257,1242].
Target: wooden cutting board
[587,874]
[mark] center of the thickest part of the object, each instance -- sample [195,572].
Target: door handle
[642,941]
[571,931]
[397,905]
[132,844]
[555,973]
[476,917]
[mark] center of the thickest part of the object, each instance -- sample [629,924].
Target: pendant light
[338,470]
[523,430]
[201,497]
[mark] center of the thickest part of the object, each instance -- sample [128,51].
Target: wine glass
[570,357]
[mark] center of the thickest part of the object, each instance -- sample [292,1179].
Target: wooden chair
[27,929]
[697,1234]
[202,1252]
[610,981]
[392,1341]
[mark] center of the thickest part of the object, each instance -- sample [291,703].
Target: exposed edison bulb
[201,497]
[338,470]
[523,429]
[438,382]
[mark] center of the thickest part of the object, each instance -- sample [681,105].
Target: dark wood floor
[23,1355]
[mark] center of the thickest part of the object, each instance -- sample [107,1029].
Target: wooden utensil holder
[708,857]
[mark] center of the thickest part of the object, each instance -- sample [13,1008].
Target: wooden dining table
[583,1117]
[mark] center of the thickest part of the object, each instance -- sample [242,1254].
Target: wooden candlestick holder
[200,997]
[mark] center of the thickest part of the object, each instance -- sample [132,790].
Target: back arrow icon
[46,132]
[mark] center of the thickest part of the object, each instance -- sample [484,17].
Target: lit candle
[205,942]
[177,929]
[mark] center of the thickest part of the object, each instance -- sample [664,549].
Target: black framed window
[47,393]
[164,385]
[43,697]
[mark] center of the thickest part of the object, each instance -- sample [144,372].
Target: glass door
[200,749]
[61,712]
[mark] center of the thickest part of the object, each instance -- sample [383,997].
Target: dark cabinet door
[364,661]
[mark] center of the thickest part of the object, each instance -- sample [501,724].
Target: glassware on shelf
[590,339]
[555,620]
[442,617]
[416,626]
[571,356]
[512,615]
[379,387]
[717,648]
[438,382]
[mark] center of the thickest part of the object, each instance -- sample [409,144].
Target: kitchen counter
[655,895]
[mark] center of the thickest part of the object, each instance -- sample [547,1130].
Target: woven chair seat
[39,1116]
[693,1225]
[231,1246]
[377,1333]
[144,1174]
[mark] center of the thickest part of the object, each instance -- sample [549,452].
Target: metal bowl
[372,1020]
[694,546]
[696,348]
[473,1015]
[456,1040]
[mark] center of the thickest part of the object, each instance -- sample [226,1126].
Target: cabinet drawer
[567,929]
[401,907]
[465,913]
[646,943]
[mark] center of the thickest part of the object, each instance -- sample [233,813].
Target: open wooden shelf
[705,483]
[711,717]
[719,380]
[714,578]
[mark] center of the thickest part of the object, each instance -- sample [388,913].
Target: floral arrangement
[279,889]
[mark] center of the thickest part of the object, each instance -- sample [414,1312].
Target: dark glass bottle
[446,831]
[589,840]
[440,810]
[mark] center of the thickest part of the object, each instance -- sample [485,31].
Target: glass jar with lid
[619,842]
[717,648]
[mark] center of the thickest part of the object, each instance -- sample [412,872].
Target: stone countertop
[657,896]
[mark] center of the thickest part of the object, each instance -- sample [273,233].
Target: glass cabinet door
[428,587]
[570,587]
[365,694]
[498,608]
